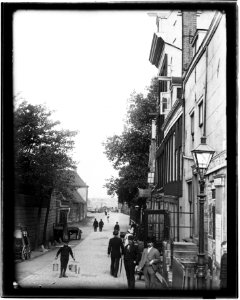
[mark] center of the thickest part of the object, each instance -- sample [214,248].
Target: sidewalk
[85,225]
[91,256]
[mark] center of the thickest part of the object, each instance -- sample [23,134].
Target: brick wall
[27,216]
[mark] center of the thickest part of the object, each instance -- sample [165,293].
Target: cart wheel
[24,253]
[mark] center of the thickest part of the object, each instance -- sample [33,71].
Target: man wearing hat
[130,261]
[116,249]
[149,263]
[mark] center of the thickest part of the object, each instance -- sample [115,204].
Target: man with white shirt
[150,264]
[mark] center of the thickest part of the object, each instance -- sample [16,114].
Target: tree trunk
[37,232]
[46,217]
[46,222]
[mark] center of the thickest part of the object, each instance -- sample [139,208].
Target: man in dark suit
[223,270]
[130,261]
[149,263]
[116,249]
[116,227]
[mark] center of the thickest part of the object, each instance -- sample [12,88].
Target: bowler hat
[150,240]
[115,232]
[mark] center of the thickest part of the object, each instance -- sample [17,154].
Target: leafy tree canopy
[42,153]
[129,152]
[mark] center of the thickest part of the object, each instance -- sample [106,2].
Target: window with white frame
[192,125]
[200,114]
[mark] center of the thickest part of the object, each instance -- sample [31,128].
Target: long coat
[223,271]
[147,257]
[117,227]
[131,253]
[115,247]
[95,224]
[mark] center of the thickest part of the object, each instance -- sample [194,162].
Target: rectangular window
[173,157]
[170,159]
[176,163]
[213,193]
[200,114]
[192,125]
[190,200]
[180,163]
[179,93]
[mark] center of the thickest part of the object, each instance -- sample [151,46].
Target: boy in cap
[130,261]
[64,252]
[149,263]
[116,249]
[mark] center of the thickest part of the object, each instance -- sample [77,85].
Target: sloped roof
[77,180]
[77,198]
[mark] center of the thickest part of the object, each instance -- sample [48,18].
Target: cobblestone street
[91,257]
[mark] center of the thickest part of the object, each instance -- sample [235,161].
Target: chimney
[189,26]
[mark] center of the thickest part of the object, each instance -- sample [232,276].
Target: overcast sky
[84,65]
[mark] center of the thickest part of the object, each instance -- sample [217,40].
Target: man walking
[95,225]
[64,252]
[223,266]
[117,227]
[100,224]
[149,263]
[130,261]
[116,249]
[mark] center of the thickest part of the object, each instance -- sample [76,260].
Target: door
[156,226]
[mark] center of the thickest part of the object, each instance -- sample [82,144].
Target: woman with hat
[149,263]
[129,233]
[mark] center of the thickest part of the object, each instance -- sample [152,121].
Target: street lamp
[202,156]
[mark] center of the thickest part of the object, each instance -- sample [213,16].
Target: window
[165,102]
[179,93]
[200,113]
[176,164]
[170,159]
[211,221]
[173,157]
[192,125]
[213,193]
[180,163]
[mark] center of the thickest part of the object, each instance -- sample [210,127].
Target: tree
[129,152]
[42,153]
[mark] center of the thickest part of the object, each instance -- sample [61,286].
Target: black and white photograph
[116,123]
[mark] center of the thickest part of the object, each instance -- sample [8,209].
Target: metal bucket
[55,267]
[72,268]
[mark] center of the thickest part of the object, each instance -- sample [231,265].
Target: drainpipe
[205,96]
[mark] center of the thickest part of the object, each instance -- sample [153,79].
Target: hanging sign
[144,193]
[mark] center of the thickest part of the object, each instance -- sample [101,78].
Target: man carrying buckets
[64,252]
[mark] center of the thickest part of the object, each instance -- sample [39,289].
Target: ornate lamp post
[202,156]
